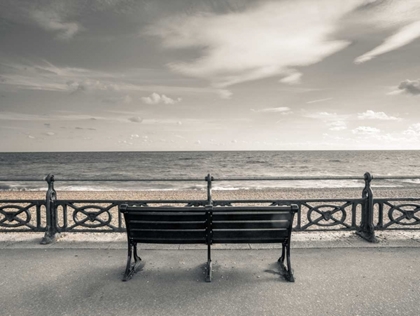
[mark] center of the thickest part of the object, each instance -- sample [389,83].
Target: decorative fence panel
[397,214]
[23,216]
[363,215]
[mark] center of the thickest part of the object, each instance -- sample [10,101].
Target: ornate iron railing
[363,215]
[22,215]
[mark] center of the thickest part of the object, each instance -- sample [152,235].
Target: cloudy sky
[209,75]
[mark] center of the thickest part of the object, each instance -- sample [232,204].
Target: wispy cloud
[400,17]
[294,78]
[59,116]
[402,37]
[53,21]
[371,115]
[282,109]
[318,101]
[45,76]
[268,39]
[321,115]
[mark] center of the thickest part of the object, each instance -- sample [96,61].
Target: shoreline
[240,194]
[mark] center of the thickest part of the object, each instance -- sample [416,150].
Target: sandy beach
[276,194]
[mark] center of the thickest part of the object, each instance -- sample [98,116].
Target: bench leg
[131,266]
[285,254]
[209,272]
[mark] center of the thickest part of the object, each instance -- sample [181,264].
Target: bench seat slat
[251,216]
[171,241]
[255,234]
[165,217]
[247,240]
[250,224]
[169,235]
[167,225]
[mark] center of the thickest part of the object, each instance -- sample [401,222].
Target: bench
[208,225]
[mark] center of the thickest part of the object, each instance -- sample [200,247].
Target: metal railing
[363,215]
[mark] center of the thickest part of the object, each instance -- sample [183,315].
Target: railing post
[367,229]
[51,197]
[209,179]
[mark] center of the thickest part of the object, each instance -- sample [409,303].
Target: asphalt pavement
[333,277]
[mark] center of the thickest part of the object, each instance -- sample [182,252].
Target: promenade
[335,275]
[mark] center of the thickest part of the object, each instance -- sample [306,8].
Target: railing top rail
[214,179]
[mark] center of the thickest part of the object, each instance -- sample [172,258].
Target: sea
[104,171]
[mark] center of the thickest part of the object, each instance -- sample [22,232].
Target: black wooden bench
[208,225]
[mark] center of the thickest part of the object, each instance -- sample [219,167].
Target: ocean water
[84,166]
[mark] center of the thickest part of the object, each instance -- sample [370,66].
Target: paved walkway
[84,278]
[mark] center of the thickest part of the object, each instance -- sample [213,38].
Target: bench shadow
[196,273]
[277,269]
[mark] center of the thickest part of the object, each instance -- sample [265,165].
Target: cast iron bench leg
[285,254]
[131,267]
[209,272]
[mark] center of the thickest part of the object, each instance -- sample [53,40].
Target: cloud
[52,21]
[293,78]
[88,84]
[135,119]
[401,17]
[334,121]
[156,98]
[402,37]
[337,125]
[371,115]
[410,87]
[267,39]
[322,115]
[320,100]
[281,109]
[48,77]
[366,130]
[413,130]
[224,93]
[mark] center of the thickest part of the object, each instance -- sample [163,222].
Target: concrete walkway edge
[300,240]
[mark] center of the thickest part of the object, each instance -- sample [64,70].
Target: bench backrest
[252,224]
[208,225]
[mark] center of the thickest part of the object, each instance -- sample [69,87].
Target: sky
[151,75]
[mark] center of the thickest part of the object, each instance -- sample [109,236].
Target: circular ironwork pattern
[331,214]
[404,214]
[91,218]
[12,219]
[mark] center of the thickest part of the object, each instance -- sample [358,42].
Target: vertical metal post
[51,216]
[209,240]
[209,179]
[367,229]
